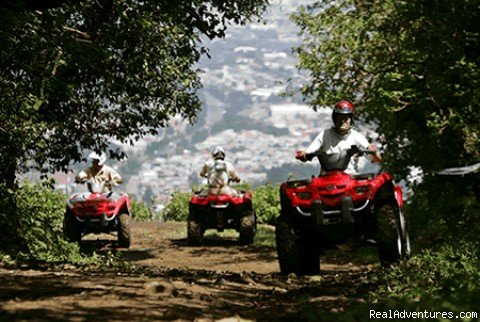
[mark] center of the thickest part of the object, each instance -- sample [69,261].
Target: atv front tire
[123,230]
[393,240]
[71,230]
[247,227]
[296,253]
[194,233]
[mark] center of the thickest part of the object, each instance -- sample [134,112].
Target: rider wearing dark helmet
[340,137]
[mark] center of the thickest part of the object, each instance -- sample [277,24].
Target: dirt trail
[175,282]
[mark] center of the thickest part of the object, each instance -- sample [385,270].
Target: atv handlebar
[354,149]
[234,180]
[107,182]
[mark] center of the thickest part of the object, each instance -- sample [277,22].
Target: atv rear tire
[194,233]
[248,227]
[71,229]
[393,240]
[123,230]
[296,253]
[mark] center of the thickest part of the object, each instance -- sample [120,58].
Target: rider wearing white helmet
[218,173]
[99,172]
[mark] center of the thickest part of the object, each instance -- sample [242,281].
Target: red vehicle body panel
[97,204]
[331,187]
[218,200]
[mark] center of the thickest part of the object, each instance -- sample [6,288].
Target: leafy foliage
[443,211]
[177,208]
[413,67]
[442,279]
[267,203]
[80,74]
[33,230]
[141,211]
[451,268]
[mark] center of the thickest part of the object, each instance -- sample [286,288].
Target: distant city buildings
[243,82]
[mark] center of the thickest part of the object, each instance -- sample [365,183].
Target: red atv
[221,211]
[336,208]
[98,212]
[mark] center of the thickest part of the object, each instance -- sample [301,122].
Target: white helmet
[100,157]
[218,153]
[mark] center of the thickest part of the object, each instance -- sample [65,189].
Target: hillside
[244,111]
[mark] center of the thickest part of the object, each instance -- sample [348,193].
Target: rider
[99,172]
[218,173]
[340,137]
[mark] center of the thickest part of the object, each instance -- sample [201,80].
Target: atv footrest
[347,206]
[317,213]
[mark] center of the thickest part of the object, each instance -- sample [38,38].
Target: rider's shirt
[329,141]
[104,174]
[218,172]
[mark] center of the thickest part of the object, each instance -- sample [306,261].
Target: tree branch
[33,5]
[82,33]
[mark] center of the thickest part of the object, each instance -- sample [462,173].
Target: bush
[438,279]
[444,223]
[31,220]
[141,211]
[443,209]
[177,208]
[266,201]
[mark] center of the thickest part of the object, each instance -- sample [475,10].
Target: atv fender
[124,207]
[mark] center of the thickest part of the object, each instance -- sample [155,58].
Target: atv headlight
[304,195]
[361,189]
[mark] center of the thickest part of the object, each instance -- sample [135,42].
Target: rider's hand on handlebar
[374,152]
[301,155]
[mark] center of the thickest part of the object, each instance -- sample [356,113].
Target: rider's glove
[375,154]
[301,155]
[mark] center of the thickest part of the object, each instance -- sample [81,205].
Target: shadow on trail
[229,247]
[34,287]
[357,256]
[90,246]
[137,255]
[82,296]
[208,241]
[103,246]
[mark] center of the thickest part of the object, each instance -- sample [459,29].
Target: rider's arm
[204,171]
[315,146]
[232,174]
[81,176]
[363,142]
[115,177]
